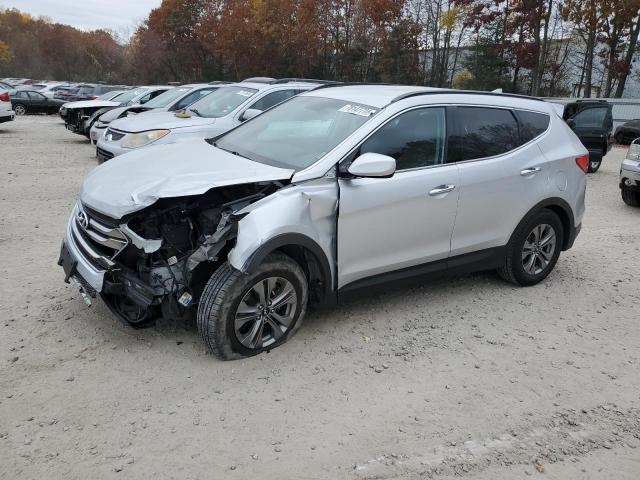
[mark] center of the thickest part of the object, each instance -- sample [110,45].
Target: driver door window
[415,139]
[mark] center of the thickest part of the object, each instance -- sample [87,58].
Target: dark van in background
[592,122]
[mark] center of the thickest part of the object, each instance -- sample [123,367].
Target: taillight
[583,162]
[4,97]
[93,97]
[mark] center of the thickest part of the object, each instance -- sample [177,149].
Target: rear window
[482,132]
[590,117]
[532,124]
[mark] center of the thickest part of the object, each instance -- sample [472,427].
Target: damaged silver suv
[337,189]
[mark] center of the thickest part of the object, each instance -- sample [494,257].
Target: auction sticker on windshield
[245,93]
[356,110]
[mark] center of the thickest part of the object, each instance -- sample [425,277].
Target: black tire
[226,289]
[619,138]
[594,166]
[513,269]
[630,197]
[20,109]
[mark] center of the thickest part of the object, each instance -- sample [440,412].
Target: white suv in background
[213,115]
[6,112]
[337,189]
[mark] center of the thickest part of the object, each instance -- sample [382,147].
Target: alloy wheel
[20,110]
[265,313]
[538,249]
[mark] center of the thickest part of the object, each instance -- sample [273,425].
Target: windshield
[221,102]
[297,133]
[130,95]
[164,99]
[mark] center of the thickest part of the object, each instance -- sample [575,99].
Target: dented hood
[158,121]
[135,180]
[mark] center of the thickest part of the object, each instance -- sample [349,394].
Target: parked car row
[212,115]
[79,116]
[266,197]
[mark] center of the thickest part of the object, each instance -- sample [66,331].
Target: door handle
[441,189]
[530,171]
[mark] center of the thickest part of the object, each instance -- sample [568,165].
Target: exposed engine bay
[174,246]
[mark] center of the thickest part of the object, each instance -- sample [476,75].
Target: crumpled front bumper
[74,260]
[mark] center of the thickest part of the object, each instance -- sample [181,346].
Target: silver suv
[335,190]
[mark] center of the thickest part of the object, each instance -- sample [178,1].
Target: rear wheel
[619,138]
[241,315]
[594,165]
[630,197]
[533,250]
[20,109]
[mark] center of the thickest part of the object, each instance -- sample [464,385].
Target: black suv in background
[86,91]
[592,122]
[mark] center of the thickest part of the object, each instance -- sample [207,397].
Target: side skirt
[488,259]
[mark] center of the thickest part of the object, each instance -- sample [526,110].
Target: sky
[119,15]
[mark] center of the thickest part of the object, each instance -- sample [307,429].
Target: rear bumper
[573,234]
[7,116]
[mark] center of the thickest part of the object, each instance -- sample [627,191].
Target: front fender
[303,215]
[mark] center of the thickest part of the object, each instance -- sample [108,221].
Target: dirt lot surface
[470,378]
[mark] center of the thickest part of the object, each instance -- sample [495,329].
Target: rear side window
[482,132]
[531,124]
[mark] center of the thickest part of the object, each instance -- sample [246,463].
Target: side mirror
[373,165]
[250,113]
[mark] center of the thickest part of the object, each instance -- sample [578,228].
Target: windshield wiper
[195,110]
[229,151]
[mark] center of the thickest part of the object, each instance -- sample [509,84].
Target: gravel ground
[469,378]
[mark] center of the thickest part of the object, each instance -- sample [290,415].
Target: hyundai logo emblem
[83,219]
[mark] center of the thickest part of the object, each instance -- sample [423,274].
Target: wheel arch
[561,208]
[309,255]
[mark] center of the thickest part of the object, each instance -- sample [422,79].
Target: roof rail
[259,80]
[220,82]
[459,92]
[349,84]
[304,80]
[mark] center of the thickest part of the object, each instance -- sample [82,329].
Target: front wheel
[241,315]
[533,249]
[20,110]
